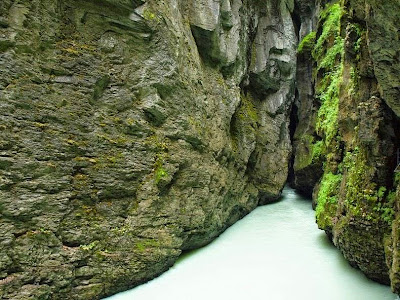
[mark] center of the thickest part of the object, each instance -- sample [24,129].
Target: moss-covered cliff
[134,130]
[352,132]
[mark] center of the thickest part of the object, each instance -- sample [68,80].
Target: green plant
[386,209]
[317,151]
[327,199]
[147,243]
[329,58]
[396,179]
[159,171]
[307,43]
[330,17]
[328,61]
[89,246]
[327,126]
[358,185]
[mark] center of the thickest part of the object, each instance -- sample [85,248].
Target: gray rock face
[307,170]
[381,20]
[131,131]
[271,79]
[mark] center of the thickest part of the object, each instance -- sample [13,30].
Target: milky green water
[276,252]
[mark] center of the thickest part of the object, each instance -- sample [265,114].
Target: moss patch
[330,17]
[327,200]
[307,44]
[329,53]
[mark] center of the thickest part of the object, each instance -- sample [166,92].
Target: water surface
[276,252]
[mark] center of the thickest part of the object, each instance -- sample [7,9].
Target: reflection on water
[276,252]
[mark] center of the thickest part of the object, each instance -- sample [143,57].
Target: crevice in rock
[205,40]
[294,121]
[296,19]
[251,163]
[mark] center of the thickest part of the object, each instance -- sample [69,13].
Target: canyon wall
[131,131]
[350,133]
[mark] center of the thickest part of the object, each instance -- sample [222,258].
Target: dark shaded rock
[350,129]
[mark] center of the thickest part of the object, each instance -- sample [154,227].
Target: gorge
[133,130]
[234,266]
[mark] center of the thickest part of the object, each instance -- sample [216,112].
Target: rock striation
[132,131]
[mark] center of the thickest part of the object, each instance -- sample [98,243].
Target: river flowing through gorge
[276,252]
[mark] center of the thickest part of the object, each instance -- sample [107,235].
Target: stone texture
[306,170]
[131,131]
[382,19]
[356,198]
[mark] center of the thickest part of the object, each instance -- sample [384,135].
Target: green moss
[363,197]
[330,17]
[159,171]
[148,15]
[355,79]
[328,53]
[5,45]
[314,152]
[247,110]
[145,244]
[318,151]
[329,60]
[396,179]
[327,125]
[327,199]
[243,122]
[74,47]
[90,246]
[359,187]
[386,208]
[357,29]
[307,43]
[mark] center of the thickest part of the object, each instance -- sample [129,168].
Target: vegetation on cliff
[356,199]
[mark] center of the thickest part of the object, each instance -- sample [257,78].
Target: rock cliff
[132,131]
[350,133]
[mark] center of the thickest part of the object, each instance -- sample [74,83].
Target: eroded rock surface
[351,129]
[131,131]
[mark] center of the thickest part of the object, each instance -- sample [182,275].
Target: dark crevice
[294,121]
[251,163]
[296,19]
[71,244]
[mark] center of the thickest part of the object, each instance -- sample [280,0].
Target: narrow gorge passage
[132,131]
[276,252]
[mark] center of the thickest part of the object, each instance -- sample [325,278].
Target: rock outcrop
[351,129]
[134,130]
[307,164]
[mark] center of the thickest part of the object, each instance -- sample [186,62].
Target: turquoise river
[276,252]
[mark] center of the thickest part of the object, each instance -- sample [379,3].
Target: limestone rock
[129,132]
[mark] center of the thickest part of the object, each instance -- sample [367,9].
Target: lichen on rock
[132,131]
